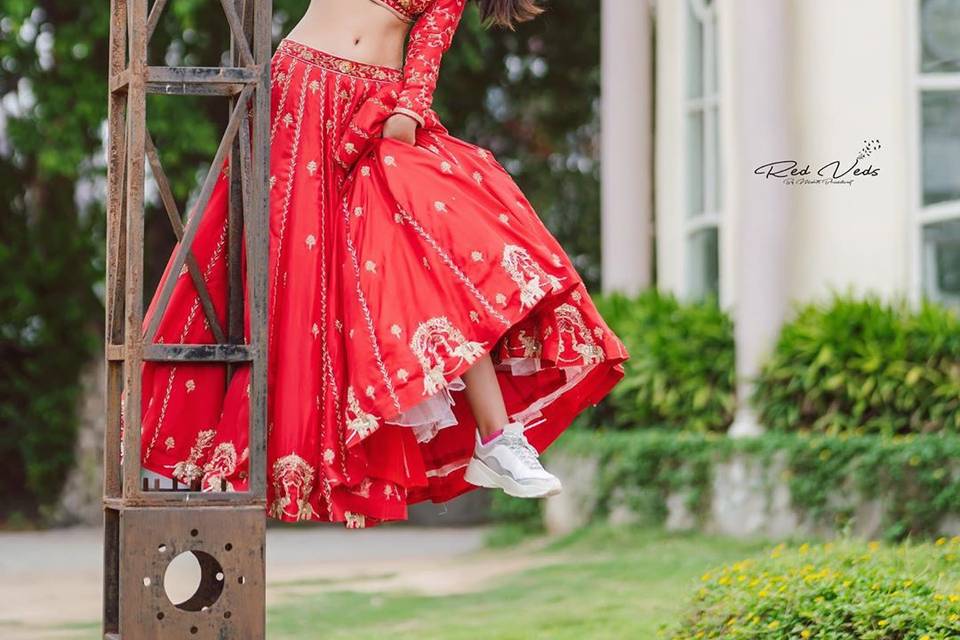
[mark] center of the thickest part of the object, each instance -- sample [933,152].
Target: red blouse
[430,37]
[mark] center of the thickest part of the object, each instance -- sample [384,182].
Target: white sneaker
[511,463]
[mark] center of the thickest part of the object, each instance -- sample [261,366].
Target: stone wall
[747,498]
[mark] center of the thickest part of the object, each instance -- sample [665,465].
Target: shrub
[864,366]
[845,590]
[680,372]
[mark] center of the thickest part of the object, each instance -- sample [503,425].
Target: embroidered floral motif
[532,348]
[222,465]
[311,241]
[188,470]
[358,421]
[527,274]
[169,443]
[329,455]
[292,481]
[437,343]
[190,385]
[570,322]
[364,489]
[355,520]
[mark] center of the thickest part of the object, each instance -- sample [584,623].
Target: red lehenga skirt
[392,269]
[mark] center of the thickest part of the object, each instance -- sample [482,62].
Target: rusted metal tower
[147,526]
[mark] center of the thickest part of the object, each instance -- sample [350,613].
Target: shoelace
[523,449]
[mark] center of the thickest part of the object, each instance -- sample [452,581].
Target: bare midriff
[359,30]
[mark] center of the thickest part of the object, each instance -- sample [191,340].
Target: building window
[702,108]
[938,200]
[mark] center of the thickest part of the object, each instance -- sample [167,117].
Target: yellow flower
[924,637]
[774,624]
[941,541]
[806,633]
[882,623]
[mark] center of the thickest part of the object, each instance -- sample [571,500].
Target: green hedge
[848,590]
[864,366]
[680,372]
[916,476]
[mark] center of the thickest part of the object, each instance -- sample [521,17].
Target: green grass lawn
[609,584]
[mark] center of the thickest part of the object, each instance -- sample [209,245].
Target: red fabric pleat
[392,267]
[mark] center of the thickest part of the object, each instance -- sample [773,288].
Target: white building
[726,86]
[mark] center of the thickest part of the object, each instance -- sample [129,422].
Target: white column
[760,111]
[626,144]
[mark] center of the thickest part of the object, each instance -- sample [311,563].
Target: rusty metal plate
[228,542]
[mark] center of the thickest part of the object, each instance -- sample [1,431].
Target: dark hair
[506,13]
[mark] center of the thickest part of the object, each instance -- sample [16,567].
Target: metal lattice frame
[147,526]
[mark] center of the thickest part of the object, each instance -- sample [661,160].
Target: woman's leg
[504,463]
[484,395]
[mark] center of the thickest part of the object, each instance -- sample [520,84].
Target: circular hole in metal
[194,532]
[146,582]
[190,580]
[194,629]
[160,615]
[228,546]
[227,614]
[161,548]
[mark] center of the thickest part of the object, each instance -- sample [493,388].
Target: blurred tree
[529,95]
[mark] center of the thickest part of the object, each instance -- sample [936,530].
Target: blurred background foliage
[508,91]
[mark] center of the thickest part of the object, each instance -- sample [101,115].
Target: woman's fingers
[400,127]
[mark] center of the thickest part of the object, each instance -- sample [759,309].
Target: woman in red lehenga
[427,334]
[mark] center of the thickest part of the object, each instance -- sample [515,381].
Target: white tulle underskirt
[435,412]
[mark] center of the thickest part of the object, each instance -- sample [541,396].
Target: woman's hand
[401,127]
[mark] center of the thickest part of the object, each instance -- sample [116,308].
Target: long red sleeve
[429,38]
